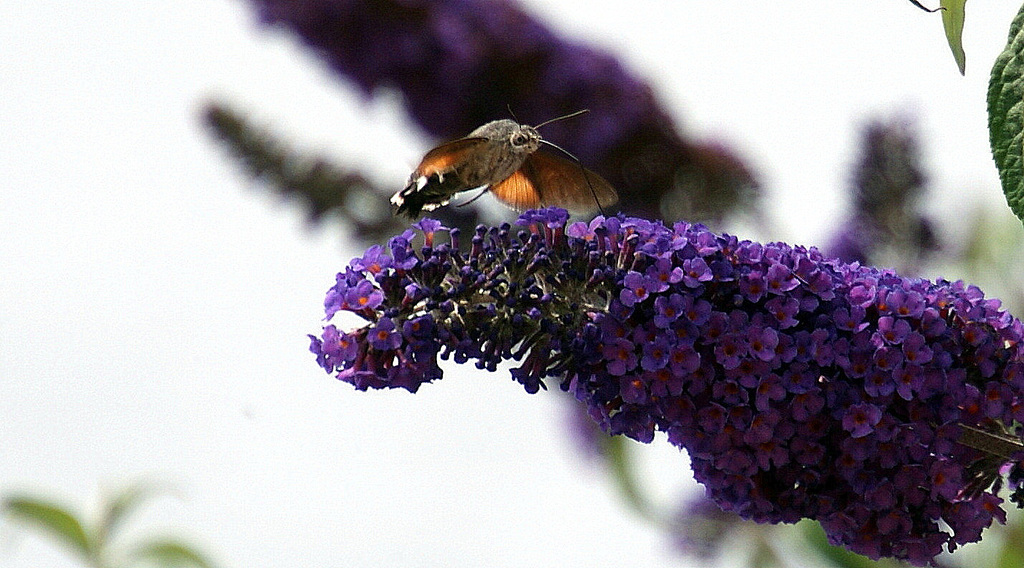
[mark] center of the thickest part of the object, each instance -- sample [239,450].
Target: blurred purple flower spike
[461,63]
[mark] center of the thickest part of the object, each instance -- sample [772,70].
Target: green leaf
[814,535]
[119,506]
[54,518]
[953,23]
[616,450]
[168,552]
[1005,120]
[1010,556]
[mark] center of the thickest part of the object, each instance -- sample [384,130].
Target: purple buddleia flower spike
[879,405]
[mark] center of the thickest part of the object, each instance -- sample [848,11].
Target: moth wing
[517,191]
[563,183]
[447,157]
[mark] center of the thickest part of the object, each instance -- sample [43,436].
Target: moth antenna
[571,115]
[514,117]
[560,149]
[583,170]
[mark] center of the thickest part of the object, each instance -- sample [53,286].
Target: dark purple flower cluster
[461,63]
[800,386]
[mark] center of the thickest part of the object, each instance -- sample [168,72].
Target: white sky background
[154,304]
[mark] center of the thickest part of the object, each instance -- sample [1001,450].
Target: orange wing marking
[518,192]
[447,157]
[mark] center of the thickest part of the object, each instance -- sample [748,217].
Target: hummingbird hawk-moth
[504,158]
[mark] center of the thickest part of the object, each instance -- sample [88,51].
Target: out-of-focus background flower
[154,302]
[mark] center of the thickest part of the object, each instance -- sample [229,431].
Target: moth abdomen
[426,193]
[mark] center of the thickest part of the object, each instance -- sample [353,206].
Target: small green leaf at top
[1006,115]
[53,518]
[953,24]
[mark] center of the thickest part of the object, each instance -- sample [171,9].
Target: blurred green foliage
[97,543]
